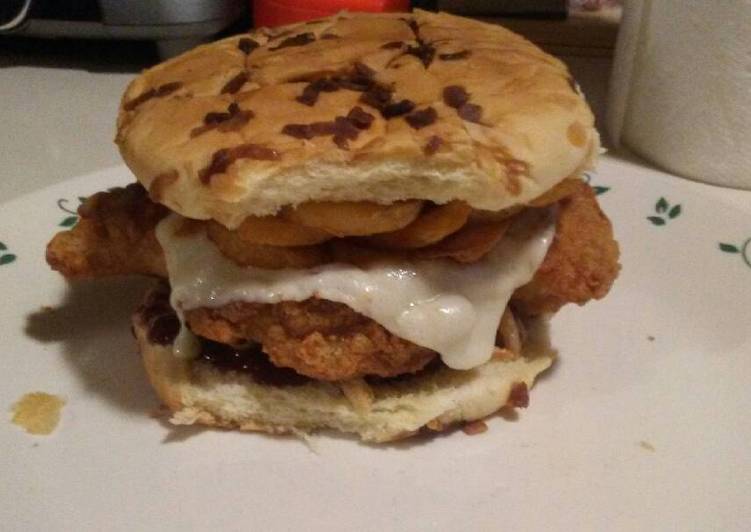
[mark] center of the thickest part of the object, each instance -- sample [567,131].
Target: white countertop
[59,102]
[54,138]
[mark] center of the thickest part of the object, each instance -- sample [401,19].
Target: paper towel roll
[680,91]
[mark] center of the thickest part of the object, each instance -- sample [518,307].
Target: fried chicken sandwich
[360,223]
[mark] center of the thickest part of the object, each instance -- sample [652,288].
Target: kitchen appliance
[535,8]
[175,25]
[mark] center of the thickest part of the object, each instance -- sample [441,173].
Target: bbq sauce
[163,326]
[163,329]
[161,321]
[250,360]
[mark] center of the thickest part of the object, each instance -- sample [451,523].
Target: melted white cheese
[451,308]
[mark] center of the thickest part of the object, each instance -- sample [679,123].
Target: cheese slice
[451,308]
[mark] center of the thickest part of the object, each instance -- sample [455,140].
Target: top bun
[355,107]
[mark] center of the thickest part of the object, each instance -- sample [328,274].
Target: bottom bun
[438,398]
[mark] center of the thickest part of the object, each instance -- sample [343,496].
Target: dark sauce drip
[162,328]
[160,319]
[250,360]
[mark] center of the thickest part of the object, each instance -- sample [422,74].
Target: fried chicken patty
[114,236]
[582,262]
[319,338]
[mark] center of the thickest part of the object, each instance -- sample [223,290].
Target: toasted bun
[199,393]
[525,126]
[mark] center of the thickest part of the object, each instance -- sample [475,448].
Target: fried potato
[115,236]
[355,218]
[432,225]
[276,231]
[563,189]
[469,244]
[481,216]
[263,256]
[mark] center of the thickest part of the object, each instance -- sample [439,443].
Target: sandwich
[361,223]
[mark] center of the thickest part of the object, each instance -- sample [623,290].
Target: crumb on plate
[646,446]
[38,412]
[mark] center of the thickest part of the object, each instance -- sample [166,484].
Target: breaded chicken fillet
[323,339]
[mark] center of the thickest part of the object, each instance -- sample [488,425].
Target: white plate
[642,424]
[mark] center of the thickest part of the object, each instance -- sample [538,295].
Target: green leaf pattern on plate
[69,221]
[5,258]
[744,250]
[663,208]
[598,189]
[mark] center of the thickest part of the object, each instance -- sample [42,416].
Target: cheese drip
[453,309]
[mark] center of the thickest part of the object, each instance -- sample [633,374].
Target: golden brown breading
[318,338]
[114,236]
[582,262]
[322,339]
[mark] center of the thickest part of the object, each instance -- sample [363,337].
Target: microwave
[175,25]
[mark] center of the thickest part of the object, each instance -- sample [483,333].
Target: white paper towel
[680,93]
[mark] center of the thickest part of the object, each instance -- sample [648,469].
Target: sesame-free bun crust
[197,393]
[526,128]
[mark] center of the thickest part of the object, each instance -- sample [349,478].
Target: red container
[278,12]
